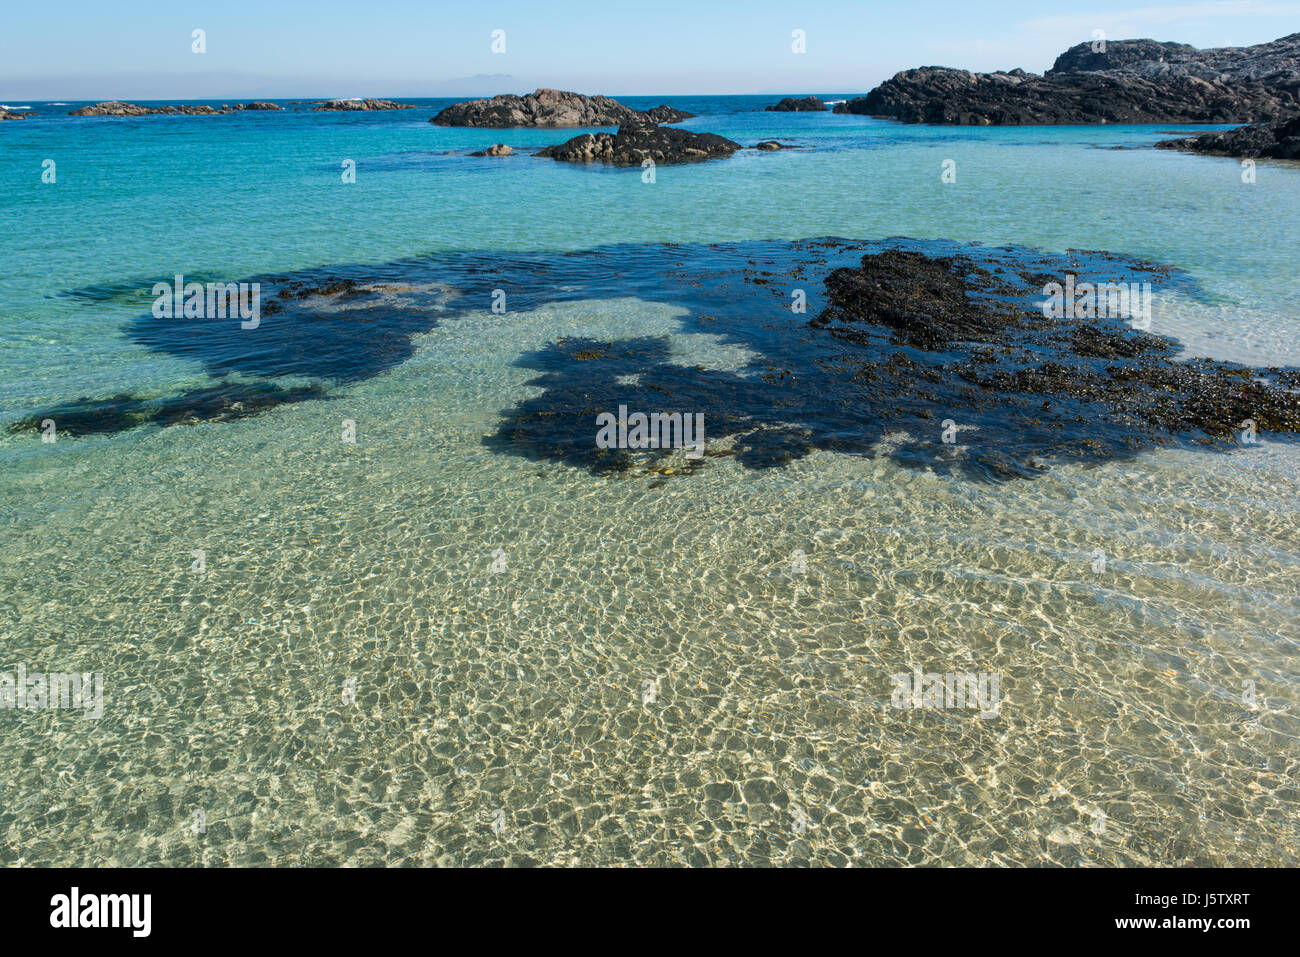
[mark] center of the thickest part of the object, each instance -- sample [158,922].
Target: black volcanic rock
[1134,81]
[546,107]
[807,104]
[1279,140]
[636,142]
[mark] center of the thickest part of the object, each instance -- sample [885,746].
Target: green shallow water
[1122,735]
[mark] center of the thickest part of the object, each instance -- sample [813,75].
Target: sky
[143,49]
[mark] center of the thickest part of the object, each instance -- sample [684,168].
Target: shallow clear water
[501,614]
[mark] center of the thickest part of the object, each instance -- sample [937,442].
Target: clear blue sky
[100,49]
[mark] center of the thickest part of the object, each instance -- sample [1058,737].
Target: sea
[359,594]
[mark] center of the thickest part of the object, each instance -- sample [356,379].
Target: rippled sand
[501,618]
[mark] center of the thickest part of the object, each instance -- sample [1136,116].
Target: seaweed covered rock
[636,142]
[989,330]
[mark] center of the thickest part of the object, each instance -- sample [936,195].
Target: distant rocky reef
[638,141]
[546,107]
[1130,81]
[14,115]
[1280,140]
[118,108]
[807,104]
[348,106]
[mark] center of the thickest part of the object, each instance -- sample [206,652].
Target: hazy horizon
[144,49]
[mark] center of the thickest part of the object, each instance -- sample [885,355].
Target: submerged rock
[546,107]
[348,106]
[1279,140]
[772,145]
[500,149]
[986,330]
[636,142]
[807,104]
[226,402]
[935,354]
[1133,81]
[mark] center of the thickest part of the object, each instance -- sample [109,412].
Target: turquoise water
[521,688]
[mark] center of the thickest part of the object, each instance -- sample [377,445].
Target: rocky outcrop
[1279,140]
[119,108]
[546,107]
[1133,81]
[768,145]
[112,108]
[637,142]
[807,104]
[1155,60]
[347,106]
[499,149]
[11,115]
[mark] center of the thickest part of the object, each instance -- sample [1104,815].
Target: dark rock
[807,104]
[112,108]
[118,108]
[547,107]
[772,145]
[636,142]
[663,113]
[500,149]
[1279,140]
[11,115]
[347,106]
[1155,60]
[1134,81]
[256,105]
